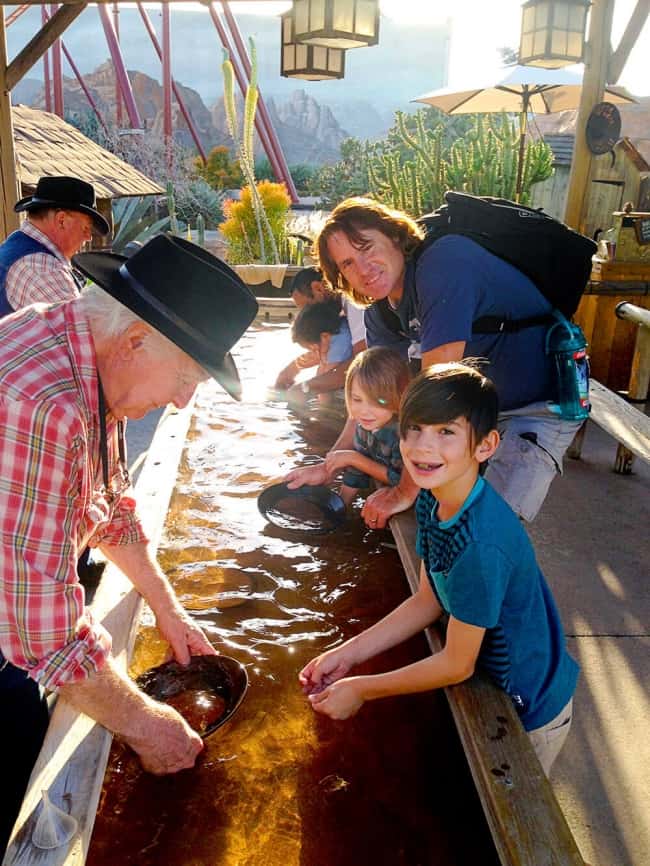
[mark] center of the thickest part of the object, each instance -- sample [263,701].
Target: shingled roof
[47,145]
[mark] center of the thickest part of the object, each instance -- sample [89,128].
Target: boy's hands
[326,669]
[341,700]
[323,682]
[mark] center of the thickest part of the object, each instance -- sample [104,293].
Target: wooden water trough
[525,820]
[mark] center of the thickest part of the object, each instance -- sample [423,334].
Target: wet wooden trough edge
[525,820]
[73,759]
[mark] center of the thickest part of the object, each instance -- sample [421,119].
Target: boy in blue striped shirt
[478,566]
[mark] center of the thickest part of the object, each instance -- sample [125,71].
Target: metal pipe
[242,81]
[118,95]
[46,67]
[78,75]
[167,81]
[9,20]
[632,313]
[177,93]
[83,86]
[120,69]
[275,142]
[57,75]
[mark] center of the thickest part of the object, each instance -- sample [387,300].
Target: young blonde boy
[478,566]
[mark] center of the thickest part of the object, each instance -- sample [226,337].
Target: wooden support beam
[36,47]
[628,40]
[593,87]
[8,179]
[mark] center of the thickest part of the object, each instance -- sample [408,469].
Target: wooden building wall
[618,178]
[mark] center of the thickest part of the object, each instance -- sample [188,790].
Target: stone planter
[268,281]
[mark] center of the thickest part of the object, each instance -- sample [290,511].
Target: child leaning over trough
[325,334]
[374,384]
[478,566]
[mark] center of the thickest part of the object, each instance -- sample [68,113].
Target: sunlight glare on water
[279,785]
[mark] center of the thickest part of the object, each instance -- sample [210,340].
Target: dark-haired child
[478,566]
[322,330]
[374,384]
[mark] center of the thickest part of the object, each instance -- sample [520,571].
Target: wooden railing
[626,423]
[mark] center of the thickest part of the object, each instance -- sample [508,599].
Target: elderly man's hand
[383,503]
[167,743]
[185,636]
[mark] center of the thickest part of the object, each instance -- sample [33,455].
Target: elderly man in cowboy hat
[35,259]
[142,335]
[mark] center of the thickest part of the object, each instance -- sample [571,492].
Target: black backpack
[553,256]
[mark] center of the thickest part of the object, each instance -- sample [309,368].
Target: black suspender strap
[103,440]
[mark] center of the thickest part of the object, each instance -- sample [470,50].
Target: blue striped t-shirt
[483,570]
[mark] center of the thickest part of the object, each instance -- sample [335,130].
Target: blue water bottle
[567,345]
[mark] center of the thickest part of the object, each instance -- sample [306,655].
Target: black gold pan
[207,692]
[305,509]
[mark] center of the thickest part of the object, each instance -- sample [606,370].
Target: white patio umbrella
[522,89]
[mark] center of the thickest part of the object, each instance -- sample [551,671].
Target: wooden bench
[629,426]
[624,422]
[526,822]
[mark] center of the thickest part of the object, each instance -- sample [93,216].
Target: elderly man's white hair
[110,318]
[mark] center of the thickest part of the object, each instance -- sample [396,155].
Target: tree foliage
[148,152]
[220,171]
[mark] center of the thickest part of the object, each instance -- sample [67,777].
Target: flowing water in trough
[279,785]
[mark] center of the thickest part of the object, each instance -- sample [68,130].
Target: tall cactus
[244,144]
[414,167]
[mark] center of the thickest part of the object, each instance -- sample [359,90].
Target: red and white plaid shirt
[39,278]
[51,493]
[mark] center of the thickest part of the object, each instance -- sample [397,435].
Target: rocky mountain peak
[308,131]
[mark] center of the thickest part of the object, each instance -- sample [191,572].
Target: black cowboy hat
[65,193]
[186,293]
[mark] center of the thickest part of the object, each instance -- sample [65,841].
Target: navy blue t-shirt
[483,570]
[456,281]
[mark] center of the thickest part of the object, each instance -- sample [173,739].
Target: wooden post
[599,50]
[8,179]
[628,39]
[41,41]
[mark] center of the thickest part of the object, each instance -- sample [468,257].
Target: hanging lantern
[336,23]
[553,32]
[311,62]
